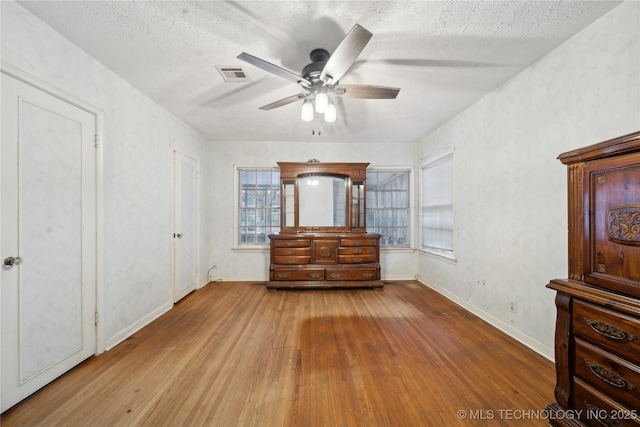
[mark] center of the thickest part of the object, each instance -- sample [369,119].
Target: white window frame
[410,205]
[237,244]
[446,254]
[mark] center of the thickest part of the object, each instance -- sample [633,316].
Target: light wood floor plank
[234,354]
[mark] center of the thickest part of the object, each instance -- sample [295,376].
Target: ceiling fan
[322,75]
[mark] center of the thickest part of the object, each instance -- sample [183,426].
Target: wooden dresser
[325,260]
[323,241]
[597,342]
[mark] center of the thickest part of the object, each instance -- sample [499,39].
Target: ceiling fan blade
[345,54]
[273,69]
[414,62]
[367,91]
[284,101]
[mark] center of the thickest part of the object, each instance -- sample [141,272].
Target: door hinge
[97,318]
[95,141]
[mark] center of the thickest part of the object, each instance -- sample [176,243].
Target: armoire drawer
[613,331]
[614,376]
[598,410]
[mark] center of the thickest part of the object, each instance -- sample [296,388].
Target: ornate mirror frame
[292,174]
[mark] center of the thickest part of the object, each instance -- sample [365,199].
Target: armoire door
[48,226]
[185,218]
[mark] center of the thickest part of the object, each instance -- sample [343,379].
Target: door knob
[179,235]
[12,260]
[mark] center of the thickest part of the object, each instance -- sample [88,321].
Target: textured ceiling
[444,55]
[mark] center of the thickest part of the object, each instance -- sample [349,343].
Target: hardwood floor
[234,354]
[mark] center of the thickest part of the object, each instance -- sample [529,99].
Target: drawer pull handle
[358,243]
[335,275]
[292,261]
[593,412]
[367,275]
[357,251]
[608,376]
[292,244]
[315,275]
[609,331]
[357,259]
[282,275]
[291,252]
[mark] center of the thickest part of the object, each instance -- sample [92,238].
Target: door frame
[174,194]
[30,80]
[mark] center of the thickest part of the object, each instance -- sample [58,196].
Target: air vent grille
[232,74]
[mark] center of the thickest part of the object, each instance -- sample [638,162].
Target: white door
[48,226]
[185,225]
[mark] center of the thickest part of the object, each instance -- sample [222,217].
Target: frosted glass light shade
[322,100]
[330,114]
[307,111]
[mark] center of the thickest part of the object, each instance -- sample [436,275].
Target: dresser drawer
[292,260]
[610,330]
[298,274]
[597,410]
[357,242]
[355,250]
[357,259]
[614,376]
[291,243]
[352,274]
[285,252]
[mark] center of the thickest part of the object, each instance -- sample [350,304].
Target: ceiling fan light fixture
[322,101]
[307,111]
[322,76]
[330,114]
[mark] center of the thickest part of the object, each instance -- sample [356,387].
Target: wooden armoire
[597,341]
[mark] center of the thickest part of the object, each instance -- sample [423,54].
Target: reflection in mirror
[322,201]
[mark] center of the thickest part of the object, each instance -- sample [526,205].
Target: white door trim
[24,77]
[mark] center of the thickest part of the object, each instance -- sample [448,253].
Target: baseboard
[535,345]
[132,329]
[393,278]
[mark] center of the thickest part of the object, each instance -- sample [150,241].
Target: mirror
[322,201]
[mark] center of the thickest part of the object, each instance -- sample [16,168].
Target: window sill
[249,249]
[396,249]
[451,259]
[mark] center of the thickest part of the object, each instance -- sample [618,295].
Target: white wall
[138,138]
[253,265]
[510,191]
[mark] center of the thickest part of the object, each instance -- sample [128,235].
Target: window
[388,206]
[258,205]
[436,206]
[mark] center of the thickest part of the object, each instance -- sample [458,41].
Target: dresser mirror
[323,241]
[323,201]
[322,197]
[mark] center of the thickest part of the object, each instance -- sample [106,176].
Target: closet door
[185,234]
[48,226]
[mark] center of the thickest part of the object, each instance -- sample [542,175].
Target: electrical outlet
[513,306]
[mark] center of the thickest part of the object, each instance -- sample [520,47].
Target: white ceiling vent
[232,74]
